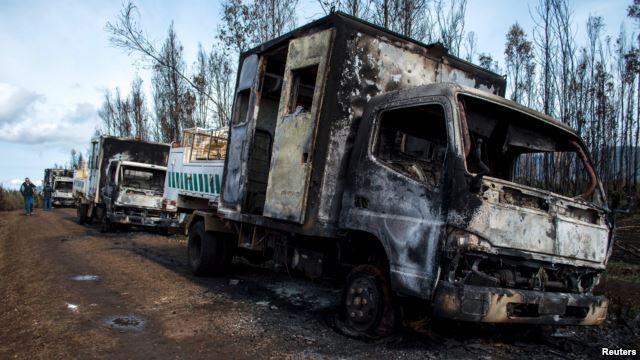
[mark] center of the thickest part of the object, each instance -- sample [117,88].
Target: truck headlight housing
[465,240]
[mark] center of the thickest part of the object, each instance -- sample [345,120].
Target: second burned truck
[363,155]
[124,184]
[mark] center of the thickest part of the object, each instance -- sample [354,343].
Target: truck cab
[448,179]
[63,191]
[60,182]
[133,194]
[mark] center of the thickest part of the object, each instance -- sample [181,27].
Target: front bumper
[144,218]
[501,305]
[63,201]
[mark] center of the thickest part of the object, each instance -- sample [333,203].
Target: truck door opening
[268,104]
[234,180]
[413,141]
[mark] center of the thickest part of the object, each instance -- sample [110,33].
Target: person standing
[47,191]
[28,189]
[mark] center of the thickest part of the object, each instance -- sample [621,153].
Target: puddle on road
[85,277]
[73,307]
[125,322]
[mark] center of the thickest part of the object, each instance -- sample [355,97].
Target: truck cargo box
[298,102]
[195,168]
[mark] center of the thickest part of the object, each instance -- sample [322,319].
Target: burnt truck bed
[293,179]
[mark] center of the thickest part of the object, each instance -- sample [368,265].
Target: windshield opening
[143,178]
[63,185]
[510,145]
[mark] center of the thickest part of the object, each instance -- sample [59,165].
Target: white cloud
[25,117]
[14,184]
[16,102]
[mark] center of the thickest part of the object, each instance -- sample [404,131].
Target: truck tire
[367,303]
[106,226]
[208,252]
[81,214]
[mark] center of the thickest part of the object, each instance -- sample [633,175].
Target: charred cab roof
[513,105]
[453,89]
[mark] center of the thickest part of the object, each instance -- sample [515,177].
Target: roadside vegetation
[623,271]
[10,200]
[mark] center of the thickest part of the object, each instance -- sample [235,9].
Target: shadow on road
[304,301]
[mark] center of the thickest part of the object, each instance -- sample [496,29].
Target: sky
[56,63]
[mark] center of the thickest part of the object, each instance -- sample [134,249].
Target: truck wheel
[208,252]
[106,226]
[81,214]
[367,302]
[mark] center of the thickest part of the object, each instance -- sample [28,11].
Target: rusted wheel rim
[362,303]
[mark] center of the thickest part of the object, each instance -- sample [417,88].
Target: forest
[591,85]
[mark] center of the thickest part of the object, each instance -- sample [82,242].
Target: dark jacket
[27,189]
[47,191]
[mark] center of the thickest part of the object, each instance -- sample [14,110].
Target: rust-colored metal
[593,183]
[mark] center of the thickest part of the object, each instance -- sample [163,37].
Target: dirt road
[67,291]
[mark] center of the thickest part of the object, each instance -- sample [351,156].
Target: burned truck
[357,154]
[125,184]
[61,183]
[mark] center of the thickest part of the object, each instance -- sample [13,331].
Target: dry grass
[623,271]
[10,200]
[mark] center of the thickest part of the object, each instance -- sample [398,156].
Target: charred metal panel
[293,145]
[498,305]
[236,158]
[248,72]
[373,65]
[232,184]
[138,198]
[520,218]
[451,72]
[405,214]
